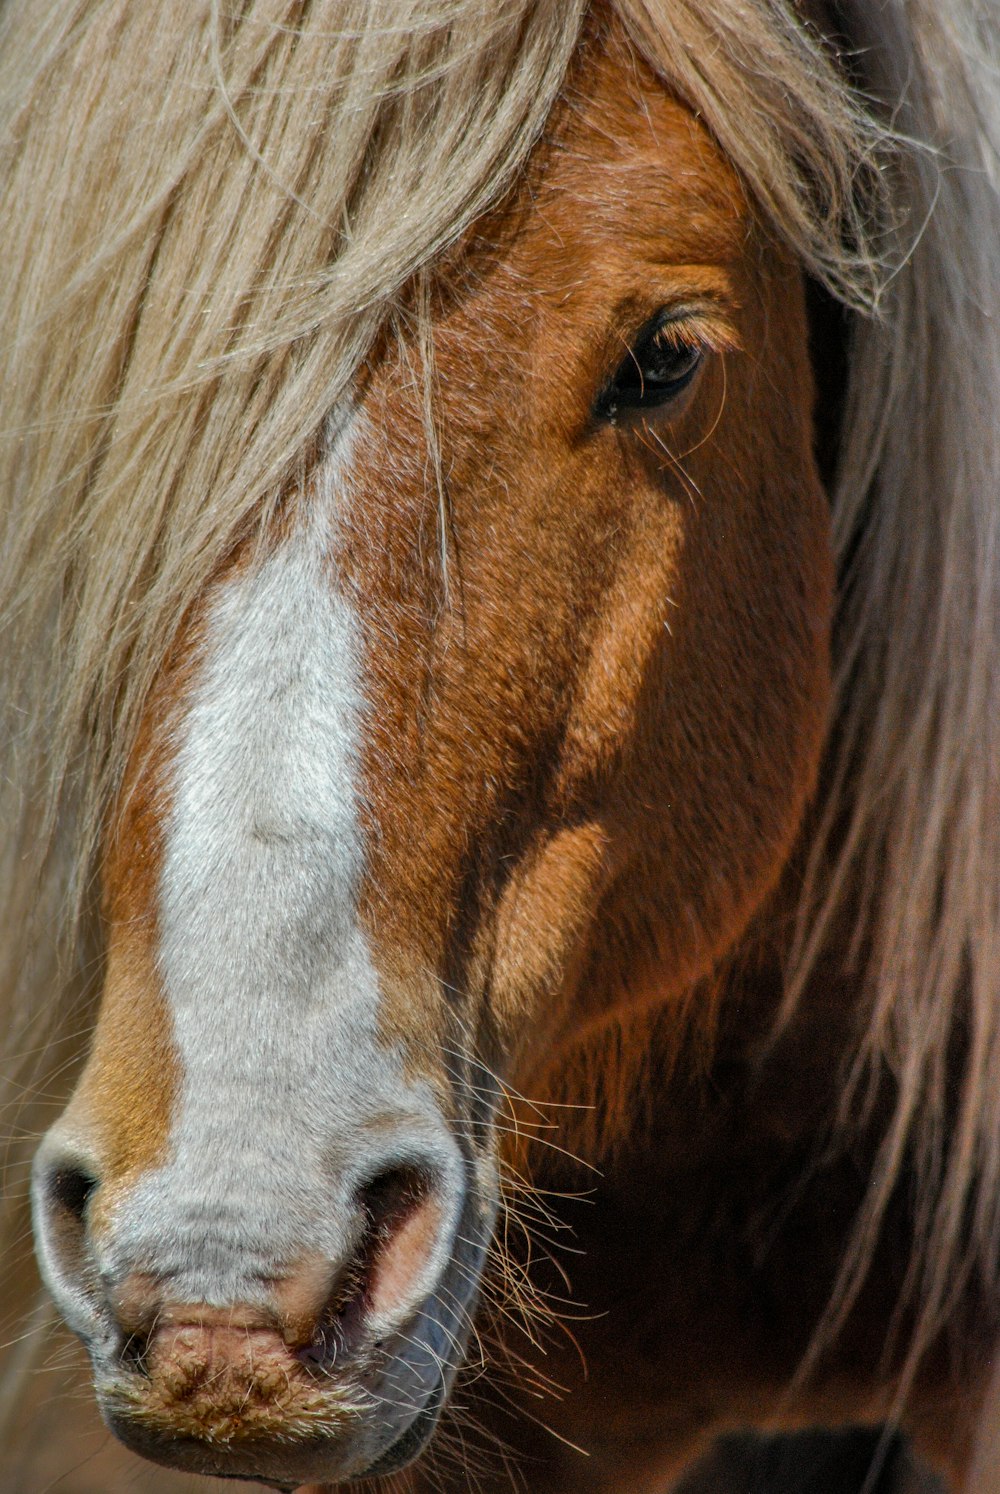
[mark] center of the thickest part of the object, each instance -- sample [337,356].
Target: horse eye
[656,369]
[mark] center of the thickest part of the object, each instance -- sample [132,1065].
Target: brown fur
[592,572]
[128,1089]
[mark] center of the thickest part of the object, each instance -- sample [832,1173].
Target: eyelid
[700,325]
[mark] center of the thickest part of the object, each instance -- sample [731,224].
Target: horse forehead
[625,159]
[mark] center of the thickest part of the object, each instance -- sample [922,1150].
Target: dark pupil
[653,372]
[666,362]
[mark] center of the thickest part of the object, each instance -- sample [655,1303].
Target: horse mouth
[256,1420]
[308,1432]
[335,1366]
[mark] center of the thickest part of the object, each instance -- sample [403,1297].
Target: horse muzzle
[323,1350]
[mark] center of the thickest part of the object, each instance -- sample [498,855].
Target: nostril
[391,1196]
[71,1187]
[385,1275]
[63,1193]
[404,1211]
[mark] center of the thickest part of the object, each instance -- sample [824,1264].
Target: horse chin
[277,1466]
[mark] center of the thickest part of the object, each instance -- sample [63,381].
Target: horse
[500,562]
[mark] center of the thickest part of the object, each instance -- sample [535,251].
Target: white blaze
[286,1087]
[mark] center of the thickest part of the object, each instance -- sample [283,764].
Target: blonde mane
[208,217]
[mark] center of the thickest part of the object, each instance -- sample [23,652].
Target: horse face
[504,728]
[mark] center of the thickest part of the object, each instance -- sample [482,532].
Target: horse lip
[107,1346]
[314,1456]
[412,1440]
[310,1460]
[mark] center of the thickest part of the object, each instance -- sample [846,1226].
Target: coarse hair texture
[209,214]
[907,855]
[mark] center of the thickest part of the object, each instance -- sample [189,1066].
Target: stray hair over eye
[658,367]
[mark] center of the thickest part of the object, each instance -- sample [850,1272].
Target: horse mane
[909,836]
[177,329]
